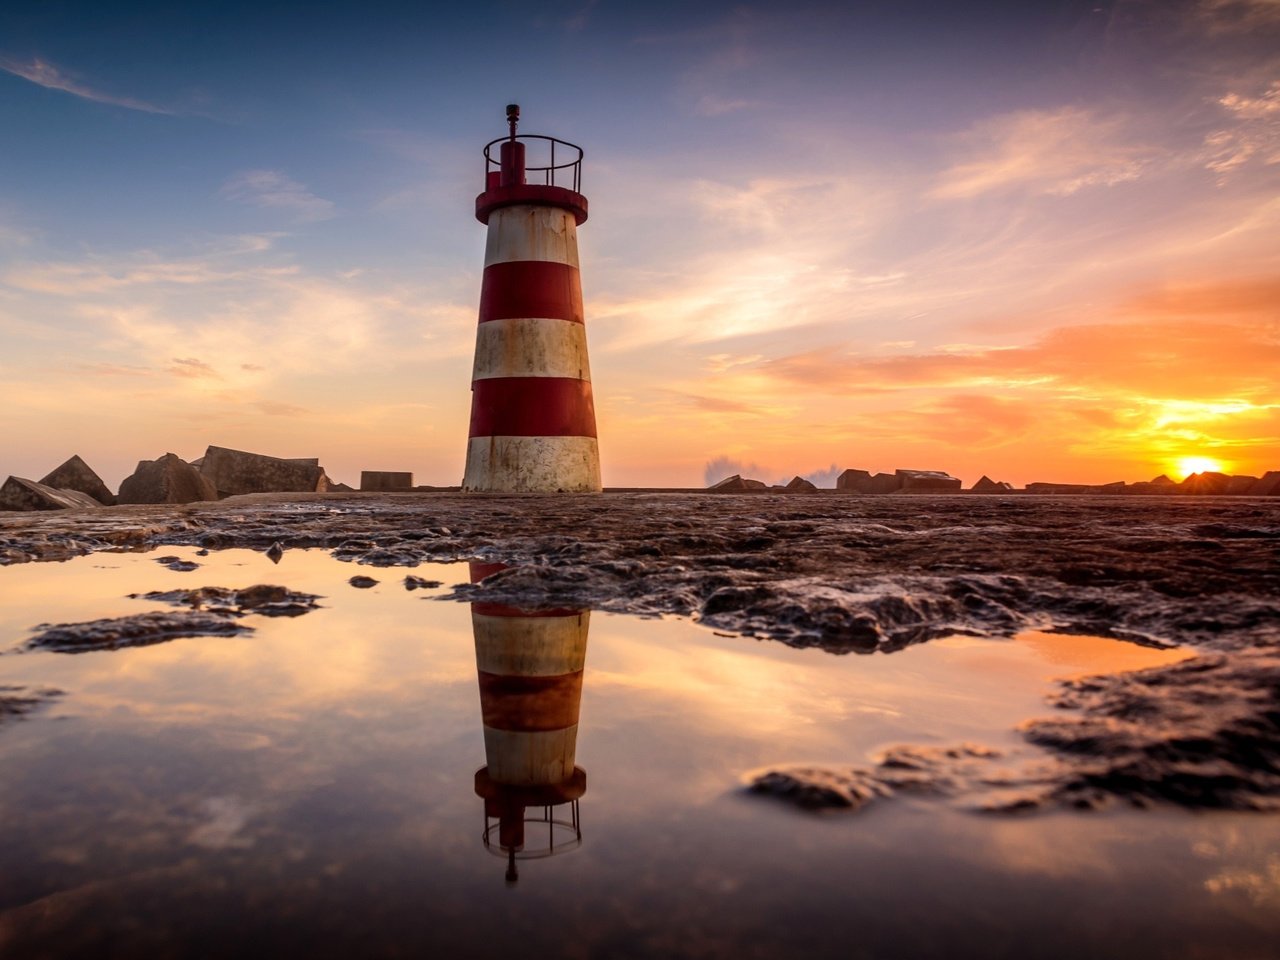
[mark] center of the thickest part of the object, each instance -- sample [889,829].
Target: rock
[18,493]
[926,480]
[385,480]
[340,488]
[800,485]
[264,599]
[853,480]
[1207,483]
[1268,486]
[169,479]
[361,582]
[1163,481]
[987,485]
[861,481]
[234,472]
[275,552]
[1240,485]
[736,484]
[75,474]
[420,583]
[139,630]
[816,788]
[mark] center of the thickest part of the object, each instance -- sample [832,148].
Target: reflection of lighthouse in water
[530,669]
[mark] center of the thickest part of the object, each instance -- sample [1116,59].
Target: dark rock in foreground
[168,479]
[21,494]
[1201,733]
[139,630]
[75,474]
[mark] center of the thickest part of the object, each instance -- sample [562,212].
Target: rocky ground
[852,574]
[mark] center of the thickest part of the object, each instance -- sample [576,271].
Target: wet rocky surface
[264,599]
[139,630]
[849,574]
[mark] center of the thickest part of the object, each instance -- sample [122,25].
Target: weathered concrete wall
[235,471]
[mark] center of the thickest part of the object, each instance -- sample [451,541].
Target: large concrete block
[737,484]
[926,480]
[800,485]
[385,480]
[75,474]
[235,471]
[169,479]
[18,493]
[853,480]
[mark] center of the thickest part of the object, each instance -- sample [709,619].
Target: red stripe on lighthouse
[532,407]
[531,288]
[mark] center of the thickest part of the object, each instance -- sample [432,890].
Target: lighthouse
[533,423]
[530,667]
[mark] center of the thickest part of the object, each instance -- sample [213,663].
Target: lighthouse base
[532,465]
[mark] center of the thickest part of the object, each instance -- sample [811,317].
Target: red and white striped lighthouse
[533,423]
[530,666]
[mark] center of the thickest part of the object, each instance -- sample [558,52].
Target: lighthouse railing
[567,173]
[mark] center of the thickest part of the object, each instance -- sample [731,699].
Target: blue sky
[869,235]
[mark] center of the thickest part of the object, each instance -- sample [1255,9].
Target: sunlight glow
[1190,465]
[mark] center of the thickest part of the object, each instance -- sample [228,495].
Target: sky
[1036,241]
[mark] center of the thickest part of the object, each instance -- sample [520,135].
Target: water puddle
[377,772]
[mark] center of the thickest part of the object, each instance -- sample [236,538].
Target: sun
[1190,465]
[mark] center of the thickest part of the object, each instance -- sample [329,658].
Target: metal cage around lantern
[566,173]
[560,835]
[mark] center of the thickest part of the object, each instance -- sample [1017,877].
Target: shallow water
[309,789]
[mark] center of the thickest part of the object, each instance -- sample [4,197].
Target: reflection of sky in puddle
[310,786]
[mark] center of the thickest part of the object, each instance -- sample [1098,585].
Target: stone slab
[19,493]
[75,474]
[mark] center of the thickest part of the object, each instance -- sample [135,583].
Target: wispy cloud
[1055,152]
[193,369]
[46,75]
[275,190]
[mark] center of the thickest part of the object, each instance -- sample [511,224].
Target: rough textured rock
[853,480]
[800,485]
[139,630]
[168,479]
[1201,733]
[820,788]
[1240,485]
[987,485]
[20,494]
[263,599]
[235,472]
[737,484]
[75,474]
[381,481]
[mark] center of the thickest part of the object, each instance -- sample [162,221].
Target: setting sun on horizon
[1189,465]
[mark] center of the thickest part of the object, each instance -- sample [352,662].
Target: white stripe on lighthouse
[526,758]
[531,646]
[533,465]
[528,232]
[531,347]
